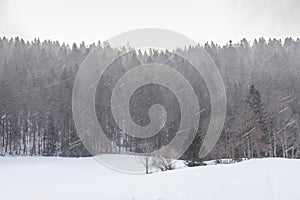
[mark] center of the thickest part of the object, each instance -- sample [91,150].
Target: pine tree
[256,105]
[191,156]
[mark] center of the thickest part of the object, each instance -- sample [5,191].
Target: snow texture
[36,178]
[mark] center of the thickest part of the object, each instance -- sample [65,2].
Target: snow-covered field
[31,178]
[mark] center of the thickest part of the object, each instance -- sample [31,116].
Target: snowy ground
[32,178]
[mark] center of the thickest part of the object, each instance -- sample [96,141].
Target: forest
[262,81]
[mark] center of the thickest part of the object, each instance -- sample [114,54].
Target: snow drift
[32,178]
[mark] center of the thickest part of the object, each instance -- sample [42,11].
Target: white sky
[201,20]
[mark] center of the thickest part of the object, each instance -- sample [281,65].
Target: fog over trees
[262,82]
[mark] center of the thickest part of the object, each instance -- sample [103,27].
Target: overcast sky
[202,20]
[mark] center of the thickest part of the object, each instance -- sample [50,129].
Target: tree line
[261,80]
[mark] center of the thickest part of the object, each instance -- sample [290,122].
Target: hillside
[35,178]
